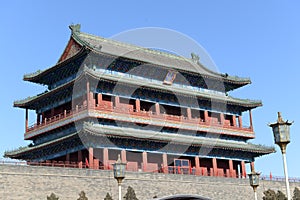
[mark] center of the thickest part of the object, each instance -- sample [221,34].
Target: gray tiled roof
[147,55]
[185,91]
[112,131]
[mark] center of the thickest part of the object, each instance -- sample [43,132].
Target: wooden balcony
[130,115]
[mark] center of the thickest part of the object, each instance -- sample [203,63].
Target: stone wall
[34,183]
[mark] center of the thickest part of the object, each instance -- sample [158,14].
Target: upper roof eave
[147,55]
[102,45]
[228,99]
[35,76]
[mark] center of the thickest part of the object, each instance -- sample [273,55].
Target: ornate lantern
[119,173]
[281,132]
[254,182]
[254,179]
[119,170]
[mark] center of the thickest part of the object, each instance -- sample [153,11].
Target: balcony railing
[170,169]
[107,108]
[57,117]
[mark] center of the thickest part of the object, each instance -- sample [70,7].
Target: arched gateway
[183,197]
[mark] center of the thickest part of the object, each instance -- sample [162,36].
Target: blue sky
[256,39]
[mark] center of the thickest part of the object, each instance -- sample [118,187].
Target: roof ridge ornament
[195,57]
[75,28]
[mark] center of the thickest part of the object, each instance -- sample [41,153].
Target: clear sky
[256,39]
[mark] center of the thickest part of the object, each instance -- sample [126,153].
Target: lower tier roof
[94,133]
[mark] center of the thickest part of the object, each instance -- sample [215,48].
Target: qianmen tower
[163,113]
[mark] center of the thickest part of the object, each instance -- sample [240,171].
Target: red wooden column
[250,117]
[197,165]
[92,100]
[215,167]
[145,161]
[26,120]
[88,94]
[117,101]
[189,113]
[138,105]
[222,118]
[240,121]
[123,156]
[105,158]
[231,168]
[96,164]
[206,119]
[243,169]
[234,120]
[91,157]
[252,167]
[165,163]
[157,108]
[99,99]
[79,159]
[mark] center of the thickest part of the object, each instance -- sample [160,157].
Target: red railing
[138,113]
[279,178]
[168,169]
[58,117]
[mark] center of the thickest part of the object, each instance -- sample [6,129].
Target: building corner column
[157,109]
[165,163]
[234,120]
[26,120]
[243,169]
[137,105]
[91,157]
[88,94]
[206,118]
[250,118]
[197,165]
[79,159]
[145,161]
[117,101]
[105,158]
[123,156]
[189,113]
[231,169]
[240,121]
[215,167]
[222,119]
[252,167]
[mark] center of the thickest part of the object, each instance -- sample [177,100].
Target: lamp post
[119,173]
[254,182]
[281,132]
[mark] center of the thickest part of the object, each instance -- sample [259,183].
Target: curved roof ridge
[81,38]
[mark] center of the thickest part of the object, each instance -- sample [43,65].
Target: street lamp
[281,131]
[119,173]
[254,182]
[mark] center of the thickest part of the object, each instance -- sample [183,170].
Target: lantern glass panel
[119,170]
[254,179]
[284,133]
